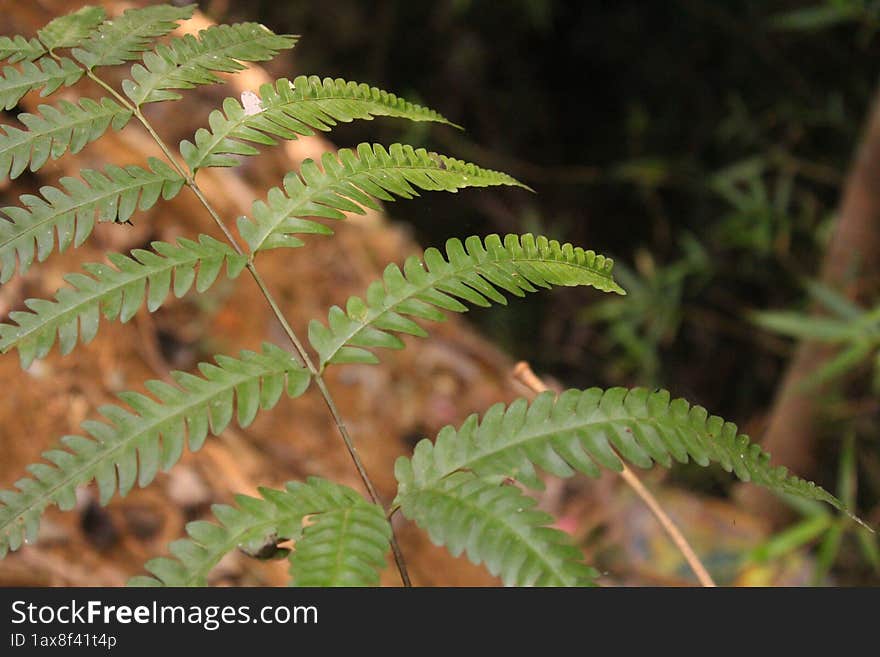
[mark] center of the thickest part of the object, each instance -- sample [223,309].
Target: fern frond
[18,49]
[132,445]
[46,74]
[110,195]
[496,524]
[289,109]
[346,541]
[116,293]
[275,516]
[126,37]
[472,272]
[188,61]
[585,430]
[71,29]
[55,131]
[351,182]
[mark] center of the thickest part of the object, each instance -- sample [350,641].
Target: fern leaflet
[345,542]
[133,445]
[18,49]
[289,109]
[583,430]
[124,38]
[349,183]
[496,524]
[110,195]
[188,61]
[55,131]
[46,74]
[117,293]
[71,29]
[473,272]
[277,516]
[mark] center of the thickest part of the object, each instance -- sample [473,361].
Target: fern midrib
[87,301]
[220,137]
[194,63]
[432,283]
[94,200]
[45,497]
[537,550]
[346,521]
[24,136]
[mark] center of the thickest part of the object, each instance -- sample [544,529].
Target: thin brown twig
[523,373]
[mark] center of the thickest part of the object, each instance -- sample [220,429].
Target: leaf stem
[301,352]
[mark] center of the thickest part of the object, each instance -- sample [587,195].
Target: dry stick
[523,373]
[301,352]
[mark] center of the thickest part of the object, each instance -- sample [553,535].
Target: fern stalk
[301,353]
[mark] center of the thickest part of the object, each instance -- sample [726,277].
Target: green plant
[854,331]
[459,488]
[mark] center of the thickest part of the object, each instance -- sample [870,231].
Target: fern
[117,293]
[189,61]
[289,109]
[18,48]
[71,212]
[350,183]
[473,272]
[466,488]
[454,488]
[46,74]
[277,516]
[133,445]
[345,542]
[72,29]
[583,430]
[124,38]
[496,524]
[56,130]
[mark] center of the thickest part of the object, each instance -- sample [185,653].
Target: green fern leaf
[474,273]
[115,293]
[133,445]
[346,541]
[496,524]
[586,430]
[276,516]
[124,38]
[17,49]
[46,74]
[189,61]
[289,109]
[110,195]
[351,182]
[55,131]
[72,29]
